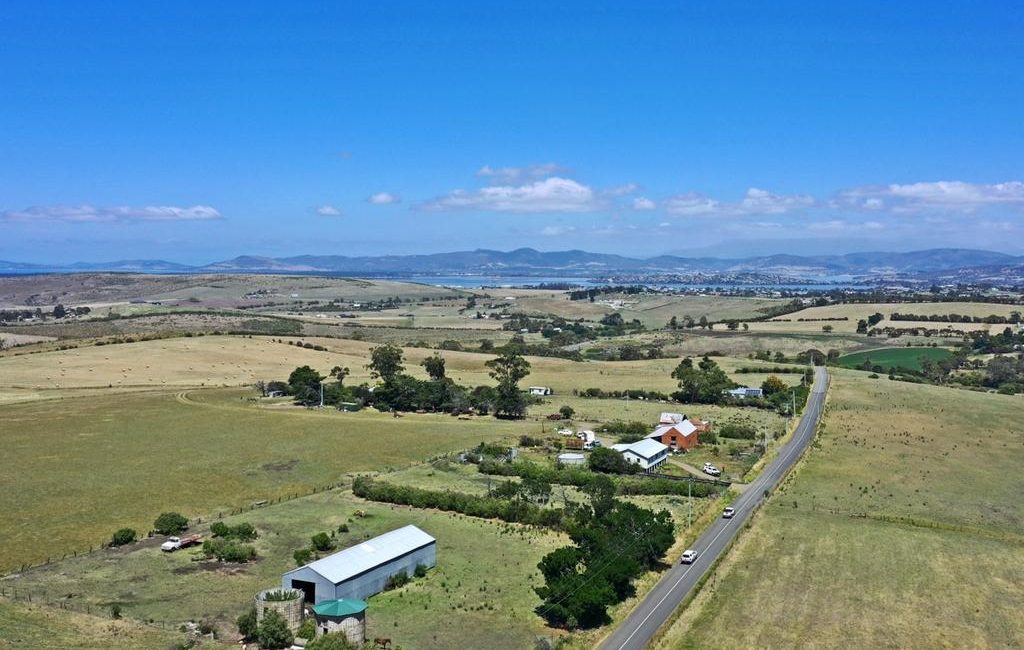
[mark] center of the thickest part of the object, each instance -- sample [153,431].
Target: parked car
[689,555]
[711,470]
[728,512]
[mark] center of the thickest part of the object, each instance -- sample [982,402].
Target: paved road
[656,608]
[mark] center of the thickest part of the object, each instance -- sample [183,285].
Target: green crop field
[889,358]
[901,528]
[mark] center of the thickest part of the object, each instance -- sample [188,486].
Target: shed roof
[360,558]
[647,448]
[685,428]
[340,607]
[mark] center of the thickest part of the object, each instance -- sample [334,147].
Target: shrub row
[514,511]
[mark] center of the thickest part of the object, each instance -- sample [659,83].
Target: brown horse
[382,642]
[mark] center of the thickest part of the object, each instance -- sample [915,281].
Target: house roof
[360,558]
[340,607]
[685,428]
[671,418]
[646,448]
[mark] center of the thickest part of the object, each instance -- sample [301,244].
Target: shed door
[307,588]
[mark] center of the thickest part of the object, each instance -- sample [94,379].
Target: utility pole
[321,394]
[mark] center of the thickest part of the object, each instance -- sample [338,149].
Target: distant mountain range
[576,263]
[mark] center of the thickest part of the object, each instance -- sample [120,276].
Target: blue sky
[194,133]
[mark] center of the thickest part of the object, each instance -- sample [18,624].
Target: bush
[247,623]
[421,570]
[307,630]
[609,461]
[229,550]
[243,532]
[734,430]
[322,542]
[115,610]
[303,556]
[567,412]
[170,523]
[400,579]
[273,631]
[330,641]
[123,536]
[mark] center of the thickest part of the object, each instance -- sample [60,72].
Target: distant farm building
[648,453]
[541,391]
[743,392]
[571,459]
[676,436]
[361,571]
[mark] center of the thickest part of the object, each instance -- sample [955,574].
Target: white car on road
[728,512]
[689,555]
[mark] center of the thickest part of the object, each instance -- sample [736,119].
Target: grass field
[26,625]
[76,469]
[480,593]
[901,528]
[910,358]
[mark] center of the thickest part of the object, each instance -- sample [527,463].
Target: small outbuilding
[569,458]
[346,615]
[361,571]
[541,391]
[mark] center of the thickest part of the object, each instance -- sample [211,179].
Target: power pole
[321,394]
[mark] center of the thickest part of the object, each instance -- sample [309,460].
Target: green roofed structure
[340,607]
[345,615]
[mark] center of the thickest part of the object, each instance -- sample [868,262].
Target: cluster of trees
[613,542]
[591,293]
[626,431]
[228,543]
[864,324]
[512,510]
[704,383]
[398,391]
[579,477]
[1001,343]
[614,324]
[992,319]
[609,461]
[631,393]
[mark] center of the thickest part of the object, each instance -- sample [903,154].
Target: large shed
[361,571]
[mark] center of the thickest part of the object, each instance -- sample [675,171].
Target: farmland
[481,607]
[893,532]
[889,358]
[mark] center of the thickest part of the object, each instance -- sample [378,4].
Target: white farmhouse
[648,453]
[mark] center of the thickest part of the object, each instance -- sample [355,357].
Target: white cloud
[513,175]
[621,190]
[755,201]
[951,196]
[328,211]
[383,198]
[643,203]
[691,204]
[758,201]
[553,194]
[90,213]
[554,231]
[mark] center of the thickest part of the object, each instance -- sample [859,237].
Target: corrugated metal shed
[361,558]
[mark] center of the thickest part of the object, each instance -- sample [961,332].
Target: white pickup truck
[174,543]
